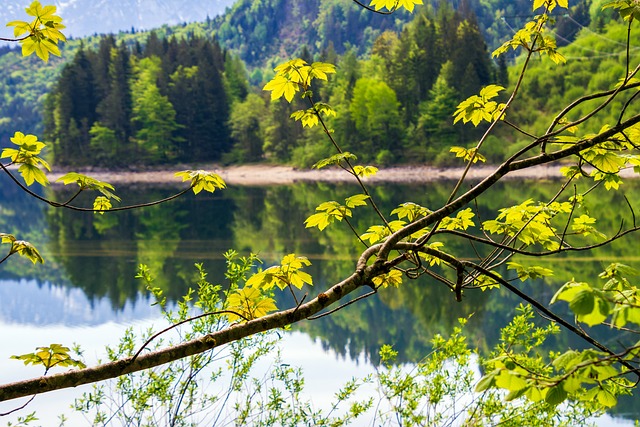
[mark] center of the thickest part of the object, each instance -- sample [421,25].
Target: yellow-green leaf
[280,86]
[249,303]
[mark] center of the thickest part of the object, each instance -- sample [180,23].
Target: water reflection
[91,260]
[99,254]
[27,302]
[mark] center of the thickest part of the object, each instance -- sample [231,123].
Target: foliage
[51,356]
[157,103]
[540,384]
[42,34]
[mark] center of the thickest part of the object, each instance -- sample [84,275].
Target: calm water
[86,292]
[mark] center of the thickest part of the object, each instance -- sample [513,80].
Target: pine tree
[114,110]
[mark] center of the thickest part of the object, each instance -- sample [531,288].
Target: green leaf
[51,356]
[392,278]
[629,9]
[365,171]
[357,200]
[556,395]
[606,398]
[411,211]
[486,382]
[280,86]
[510,380]
[24,249]
[202,180]
[32,173]
[534,272]
[87,183]
[583,303]
[392,5]
[101,204]
[336,159]
[468,154]
[286,274]
[249,303]
[319,70]
[478,108]
[42,34]
[7,238]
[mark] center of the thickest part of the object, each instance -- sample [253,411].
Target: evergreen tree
[114,110]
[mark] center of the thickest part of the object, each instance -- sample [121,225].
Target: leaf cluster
[51,356]
[42,34]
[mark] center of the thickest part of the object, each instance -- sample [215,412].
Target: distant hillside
[595,62]
[261,32]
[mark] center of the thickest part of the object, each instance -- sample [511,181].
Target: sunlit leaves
[357,200]
[462,221]
[531,39]
[365,171]
[42,34]
[343,160]
[392,278]
[410,211]
[629,9]
[287,274]
[202,180]
[51,356]
[32,173]
[377,233]
[624,295]
[550,4]
[21,248]
[468,154]
[590,305]
[281,86]
[584,225]
[487,282]
[392,5]
[249,303]
[604,159]
[336,159]
[310,117]
[534,272]
[520,368]
[296,75]
[328,212]
[530,223]
[87,183]
[27,155]
[432,259]
[478,108]
[101,204]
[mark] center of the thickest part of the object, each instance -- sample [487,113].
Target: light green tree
[153,113]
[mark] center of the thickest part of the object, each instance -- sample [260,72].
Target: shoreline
[259,174]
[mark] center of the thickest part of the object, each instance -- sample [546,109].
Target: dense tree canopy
[169,101]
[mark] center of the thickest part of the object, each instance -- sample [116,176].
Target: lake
[86,292]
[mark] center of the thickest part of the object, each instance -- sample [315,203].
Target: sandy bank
[257,174]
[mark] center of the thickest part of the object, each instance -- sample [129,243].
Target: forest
[166,102]
[417,67]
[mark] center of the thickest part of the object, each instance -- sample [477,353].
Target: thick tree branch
[362,276]
[511,165]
